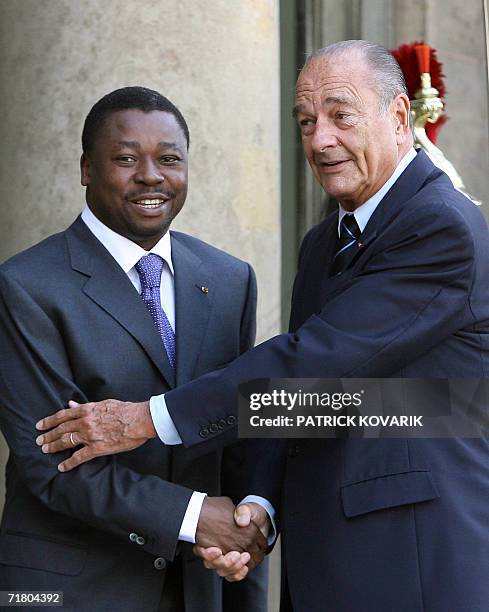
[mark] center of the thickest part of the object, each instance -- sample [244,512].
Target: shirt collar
[363,213]
[126,252]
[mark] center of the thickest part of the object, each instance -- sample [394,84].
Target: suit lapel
[330,238]
[110,288]
[194,295]
[406,187]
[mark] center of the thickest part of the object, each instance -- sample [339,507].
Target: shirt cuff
[162,421]
[191,518]
[264,503]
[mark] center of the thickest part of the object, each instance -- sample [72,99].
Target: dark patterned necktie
[348,240]
[149,269]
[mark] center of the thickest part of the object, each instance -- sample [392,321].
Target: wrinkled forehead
[344,75]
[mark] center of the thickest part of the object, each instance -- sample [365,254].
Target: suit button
[231,420]
[221,423]
[140,540]
[133,537]
[159,563]
[213,427]
[204,432]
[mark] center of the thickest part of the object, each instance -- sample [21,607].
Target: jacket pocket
[388,491]
[36,553]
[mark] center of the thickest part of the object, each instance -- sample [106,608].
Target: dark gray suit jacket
[72,326]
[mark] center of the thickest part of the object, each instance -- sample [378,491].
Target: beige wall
[217,61]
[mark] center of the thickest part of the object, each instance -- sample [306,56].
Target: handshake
[231,540]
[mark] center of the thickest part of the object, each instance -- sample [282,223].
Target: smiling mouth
[150,203]
[333,166]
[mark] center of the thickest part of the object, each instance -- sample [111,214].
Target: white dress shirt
[127,254]
[363,213]
[165,428]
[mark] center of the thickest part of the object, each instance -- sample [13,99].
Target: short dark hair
[127,98]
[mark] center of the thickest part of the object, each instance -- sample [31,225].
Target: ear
[84,170]
[400,114]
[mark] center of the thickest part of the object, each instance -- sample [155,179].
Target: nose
[324,136]
[149,172]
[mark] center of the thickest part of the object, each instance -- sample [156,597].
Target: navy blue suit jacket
[381,524]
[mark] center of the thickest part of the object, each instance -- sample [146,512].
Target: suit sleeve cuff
[264,503]
[162,421]
[191,518]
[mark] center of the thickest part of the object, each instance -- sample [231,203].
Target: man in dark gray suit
[117,534]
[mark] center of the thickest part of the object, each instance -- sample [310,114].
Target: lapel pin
[204,289]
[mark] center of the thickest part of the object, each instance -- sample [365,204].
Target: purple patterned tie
[149,269]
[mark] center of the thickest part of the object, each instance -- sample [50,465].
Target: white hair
[388,78]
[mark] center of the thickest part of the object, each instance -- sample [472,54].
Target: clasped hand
[231,540]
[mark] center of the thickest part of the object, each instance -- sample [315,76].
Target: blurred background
[230,66]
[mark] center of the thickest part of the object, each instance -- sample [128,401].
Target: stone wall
[219,66]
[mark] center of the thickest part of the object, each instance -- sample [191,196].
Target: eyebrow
[133,144]
[170,145]
[337,100]
[129,144]
[329,100]
[296,110]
